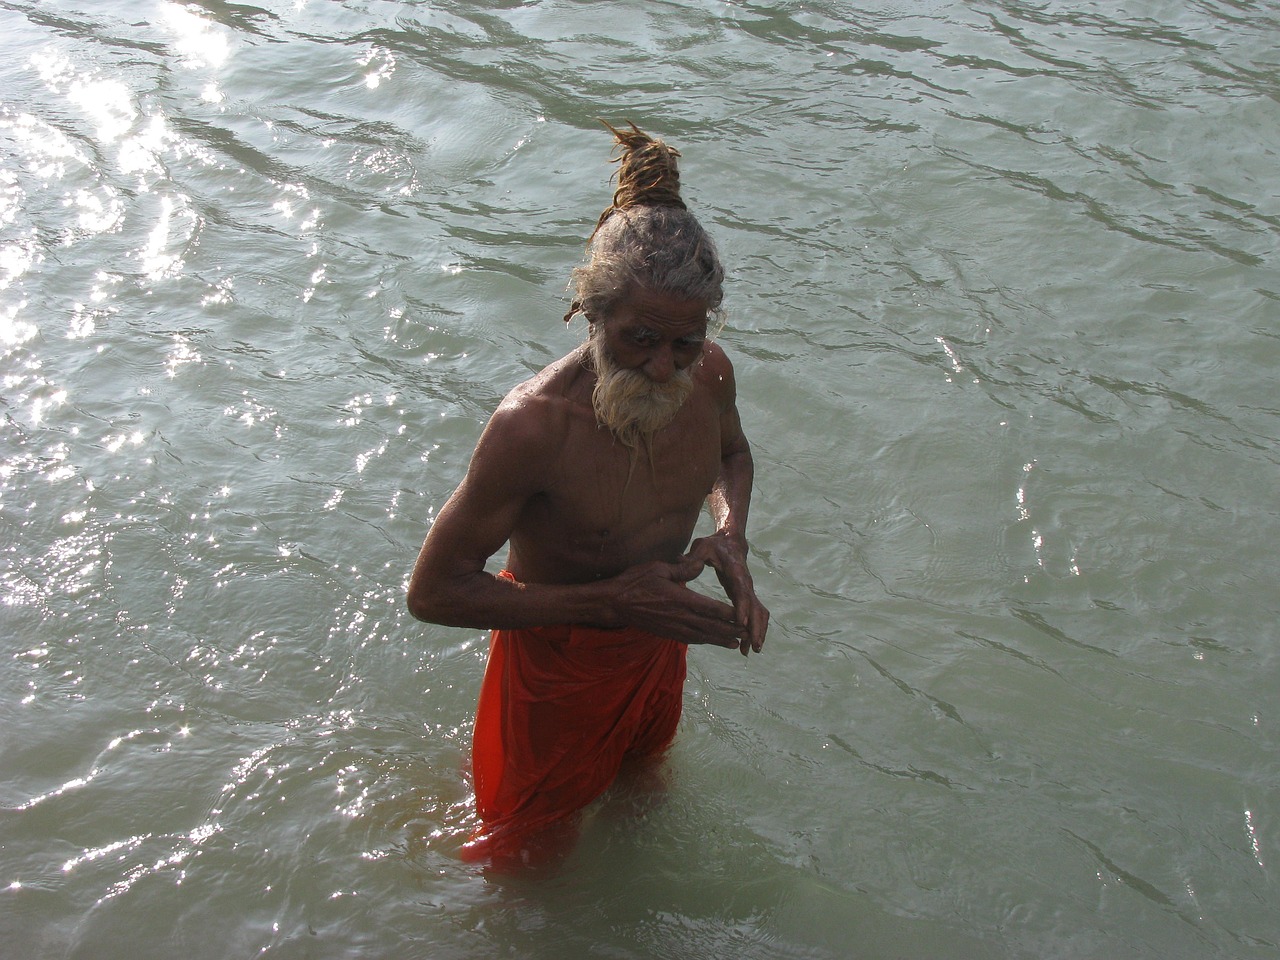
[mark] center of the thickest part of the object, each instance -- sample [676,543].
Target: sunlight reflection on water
[1001,285]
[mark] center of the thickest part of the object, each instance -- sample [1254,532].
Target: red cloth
[560,708]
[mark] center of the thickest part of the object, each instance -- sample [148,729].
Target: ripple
[1000,313]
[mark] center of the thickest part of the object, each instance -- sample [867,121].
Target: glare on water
[1002,312]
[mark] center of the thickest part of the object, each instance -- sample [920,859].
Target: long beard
[631,405]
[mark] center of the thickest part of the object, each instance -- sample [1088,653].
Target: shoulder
[715,373]
[533,419]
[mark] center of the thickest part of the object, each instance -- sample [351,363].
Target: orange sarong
[560,709]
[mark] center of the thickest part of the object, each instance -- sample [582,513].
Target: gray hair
[646,239]
[657,249]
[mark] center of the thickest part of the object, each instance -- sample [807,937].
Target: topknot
[648,174]
[647,239]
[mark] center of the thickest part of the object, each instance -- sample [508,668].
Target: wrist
[603,603]
[733,533]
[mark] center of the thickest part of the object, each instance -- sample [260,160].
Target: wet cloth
[560,709]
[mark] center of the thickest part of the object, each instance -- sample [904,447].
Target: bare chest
[607,507]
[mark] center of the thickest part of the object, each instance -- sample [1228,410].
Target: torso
[602,508]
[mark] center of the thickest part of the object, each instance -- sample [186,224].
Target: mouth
[632,405]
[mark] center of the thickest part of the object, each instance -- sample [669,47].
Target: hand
[728,555]
[653,597]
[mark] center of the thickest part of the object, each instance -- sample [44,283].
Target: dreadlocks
[646,237]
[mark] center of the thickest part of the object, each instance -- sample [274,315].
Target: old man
[594,472]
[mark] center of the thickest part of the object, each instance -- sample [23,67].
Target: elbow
[424,604]
[417,608]
[439,601]
[446,599]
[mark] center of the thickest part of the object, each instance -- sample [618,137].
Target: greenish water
[1003,309]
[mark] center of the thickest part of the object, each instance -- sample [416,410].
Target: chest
[605,493]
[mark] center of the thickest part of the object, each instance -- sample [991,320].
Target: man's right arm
[449,584]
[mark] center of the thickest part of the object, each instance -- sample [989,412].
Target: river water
[1003,302]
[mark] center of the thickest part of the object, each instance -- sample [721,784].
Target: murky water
[1003,309]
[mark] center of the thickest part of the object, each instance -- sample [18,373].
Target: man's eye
[689,343]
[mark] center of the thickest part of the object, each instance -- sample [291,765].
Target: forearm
[726,549]
[730,498]
[651,597]
[489,602]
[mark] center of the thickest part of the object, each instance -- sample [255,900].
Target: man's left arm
[729,503]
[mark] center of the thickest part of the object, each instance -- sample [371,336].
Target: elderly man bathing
[594,471]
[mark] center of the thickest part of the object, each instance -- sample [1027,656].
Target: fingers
[698,619]
[759,626]
[699,549]
[715,551]
[751,619]
[751,635]
[657,600]
[687,568]
[716,623]
[742,615]
[690,617]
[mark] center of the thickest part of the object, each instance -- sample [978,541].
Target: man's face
[656,334]
[642,356]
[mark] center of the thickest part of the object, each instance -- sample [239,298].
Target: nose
[661,365]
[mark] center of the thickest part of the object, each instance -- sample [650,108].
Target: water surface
[1003,300]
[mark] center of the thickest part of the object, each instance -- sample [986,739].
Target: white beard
[631,405]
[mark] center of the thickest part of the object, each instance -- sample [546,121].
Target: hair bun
[648,175]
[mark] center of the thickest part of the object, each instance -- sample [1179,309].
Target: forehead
[662,312]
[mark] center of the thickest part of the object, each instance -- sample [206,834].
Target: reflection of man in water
[595,471]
